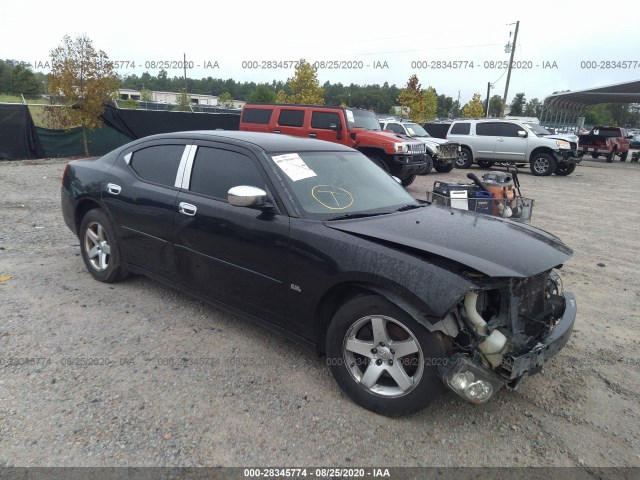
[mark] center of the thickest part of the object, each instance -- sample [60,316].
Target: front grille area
[416,147]
[448,151]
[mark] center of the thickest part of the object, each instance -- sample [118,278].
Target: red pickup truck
[399,155]
[607,141]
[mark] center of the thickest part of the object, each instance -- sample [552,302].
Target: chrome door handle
[501,140]
[113,188]
[313,135]
[276,131]
[187,209]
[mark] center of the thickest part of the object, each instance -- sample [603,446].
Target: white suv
[441,153]
[490,141]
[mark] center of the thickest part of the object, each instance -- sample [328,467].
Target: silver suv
[490,141]
[441,153]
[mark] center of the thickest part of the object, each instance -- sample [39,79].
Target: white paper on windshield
[411,131]
[293,166]
[350,116]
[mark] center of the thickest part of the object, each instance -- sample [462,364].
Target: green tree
[517,104]
[533,108]
[262,94]
[145,95]
[473,108]
[82,79]
[445,106]
[495,106]
[225,100]
[183,104]
[422,105]
[304,86]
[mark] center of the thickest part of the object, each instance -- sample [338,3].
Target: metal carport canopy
[628,92]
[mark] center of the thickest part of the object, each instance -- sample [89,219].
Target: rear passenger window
[324,120]
[215,171]
[511,129]
[291,118]
[460,129]
[488,129]
[257,115]
[158,164]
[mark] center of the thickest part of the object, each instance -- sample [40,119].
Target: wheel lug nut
[393,352]
[374,350]
[390,362]
[382,344]
[378,362]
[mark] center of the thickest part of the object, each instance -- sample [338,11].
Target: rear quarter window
[257,115]
[158,164]
[462,128]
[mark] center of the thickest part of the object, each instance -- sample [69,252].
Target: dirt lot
[190,385]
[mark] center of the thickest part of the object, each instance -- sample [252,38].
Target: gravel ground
[187,384]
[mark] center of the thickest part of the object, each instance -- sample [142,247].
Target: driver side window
[216,170]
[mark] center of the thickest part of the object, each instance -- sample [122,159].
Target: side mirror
[247,196]
[522,133]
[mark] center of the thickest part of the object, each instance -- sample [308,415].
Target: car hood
[569,137]
[491,245]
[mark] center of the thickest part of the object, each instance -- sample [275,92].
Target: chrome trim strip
[183,162]
[186,179]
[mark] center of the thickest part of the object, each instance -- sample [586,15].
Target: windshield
[537,129]
[416,130]
[326,185]
[361,119]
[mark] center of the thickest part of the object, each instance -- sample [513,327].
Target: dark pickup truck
[607,141]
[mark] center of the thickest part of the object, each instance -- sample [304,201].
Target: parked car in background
[400,156]
[486,142]
[440,153]
[607,141]
[635,141]
[314,241]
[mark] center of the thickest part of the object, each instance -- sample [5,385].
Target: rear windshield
[607,132]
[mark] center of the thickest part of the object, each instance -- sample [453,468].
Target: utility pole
[488,93]
[506,87]
[184,64]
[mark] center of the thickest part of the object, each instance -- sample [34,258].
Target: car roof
[269,142]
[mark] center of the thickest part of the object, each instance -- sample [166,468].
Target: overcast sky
[364,33]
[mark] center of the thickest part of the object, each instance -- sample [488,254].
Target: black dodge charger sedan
[312,239]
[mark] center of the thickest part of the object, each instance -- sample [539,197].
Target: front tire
[610,156]
[443,167]
[99,248]
[429,165]
[379,162]
[465,158]
[543,165]
[485,163]
[564,169]
[623,157]
[408,180]
[382,358]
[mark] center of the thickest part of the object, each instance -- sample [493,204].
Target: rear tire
[382,358]
[485,163]
[99,248]
[543,165]
[610,156]
[465,158]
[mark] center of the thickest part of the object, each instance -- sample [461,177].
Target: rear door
[289,121]
[510,147]
[485,140]
[140,193]
[235,255]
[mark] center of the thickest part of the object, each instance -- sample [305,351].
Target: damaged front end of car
[509,328]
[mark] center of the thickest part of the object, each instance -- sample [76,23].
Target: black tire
[355,320]
[99,248]
[465,158]
[623,157]
[485,163]
[564,169]
[595,155]
[443,167]
[429,165]
[610,156]
[543,165]
[380,162]
[408,180]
